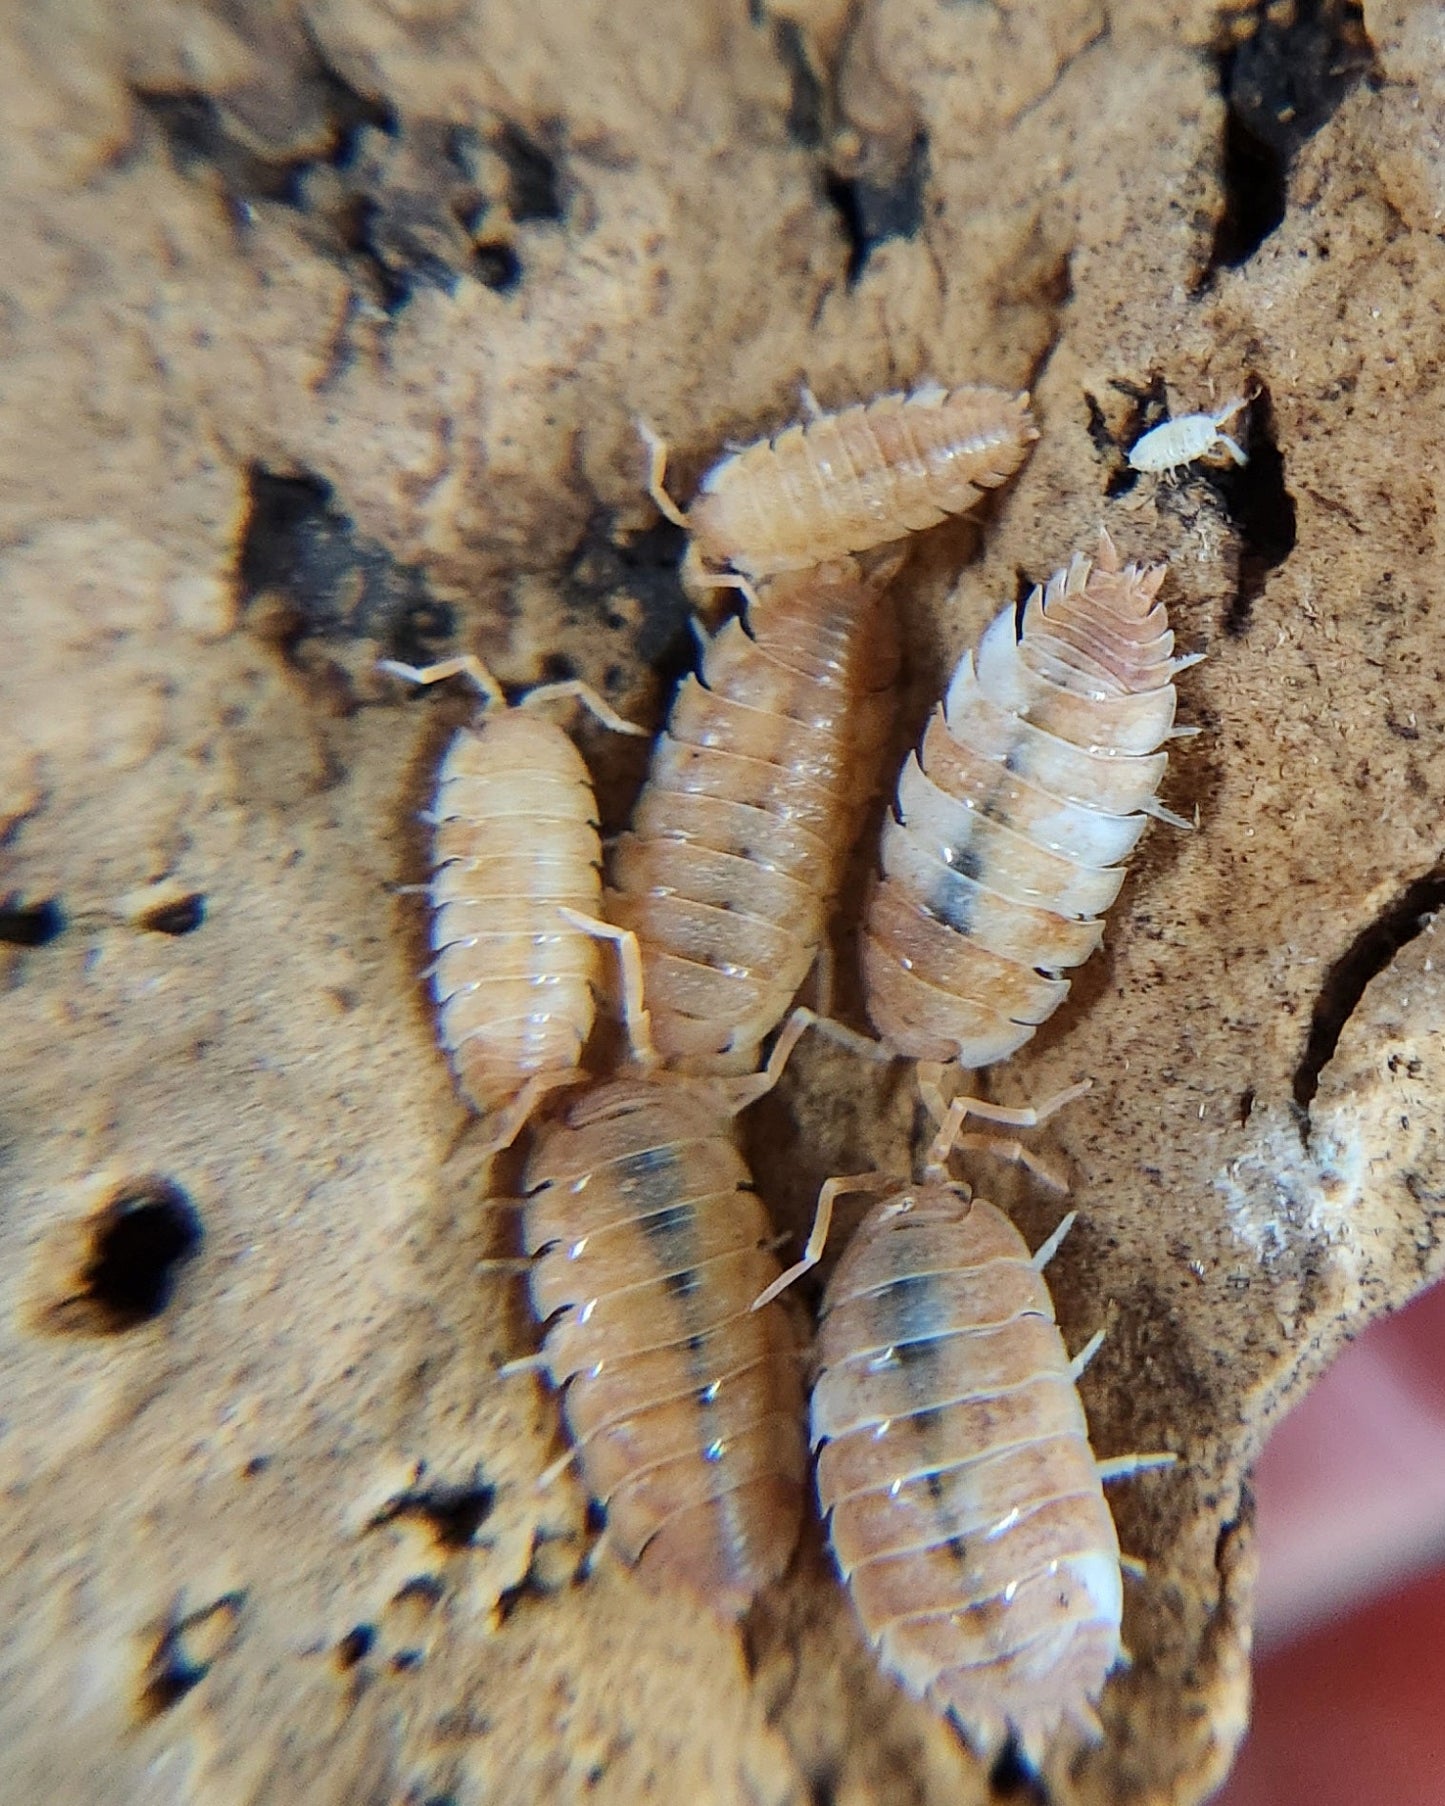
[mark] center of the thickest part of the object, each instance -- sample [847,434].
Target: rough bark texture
[322,331]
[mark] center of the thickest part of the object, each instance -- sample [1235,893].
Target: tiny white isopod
[1175,443]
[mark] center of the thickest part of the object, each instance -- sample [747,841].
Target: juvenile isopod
[516,893]
[1032,786]
[846,482]
[755,796]
[1178,442]
[965,1507]
[684,1405]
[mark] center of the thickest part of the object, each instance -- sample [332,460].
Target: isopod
[739,840]
[1178,442]
[846,482]
[684,1405]
[965,1507]
[1033,784]
[516,896]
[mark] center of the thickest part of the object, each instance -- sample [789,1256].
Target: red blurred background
[1349,1705]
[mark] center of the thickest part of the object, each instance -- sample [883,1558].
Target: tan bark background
[322,330]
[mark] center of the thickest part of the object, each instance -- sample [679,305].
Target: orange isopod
[1032,787]
[755,796]
[965,1506]
[846,482]
[684,1405]
[516,895]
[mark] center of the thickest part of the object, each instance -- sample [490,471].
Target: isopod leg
[1123,1467]
[465,664]
[589,699]
[1085,1355]
[635,1015]
[843,1035]
[744,1091]
[657,472]
[822,1223]
[507,1125]
[696,576]
[1046,1251]
[1016,1154]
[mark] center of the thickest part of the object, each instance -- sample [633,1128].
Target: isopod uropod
[684,1405]
[1174,443]
[965,1507]
[739,840]
[1033,783]
[846,482]
[516,894]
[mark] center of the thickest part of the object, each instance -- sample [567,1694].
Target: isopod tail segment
[516,897]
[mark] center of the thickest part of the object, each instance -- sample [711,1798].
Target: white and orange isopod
[846,482]
[755,796]
[965,1507]
[683,1403]
[516,895]
[1033,784]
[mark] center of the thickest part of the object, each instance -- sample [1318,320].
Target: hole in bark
[356,1645]
[497,266]
[534,189]
[1345,982]
[181,915]
[31,924]
[453,1514]
[188,1651]
[876,207]
[137,1243]
[807,103]
[1259,505]
[1281,83]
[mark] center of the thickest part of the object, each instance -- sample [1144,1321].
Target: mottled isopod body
[685,1405]
[754,799]
[965,1507]
[1031,788]
[516,873]
[846,482]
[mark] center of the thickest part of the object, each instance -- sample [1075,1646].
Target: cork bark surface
[322,335]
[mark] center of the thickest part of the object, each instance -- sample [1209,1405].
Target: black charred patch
[319,577]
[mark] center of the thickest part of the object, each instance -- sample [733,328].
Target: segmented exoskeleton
[846,482]
[754,798]
[964,1504]
[684,1404]
[1033,784]
[515,896]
